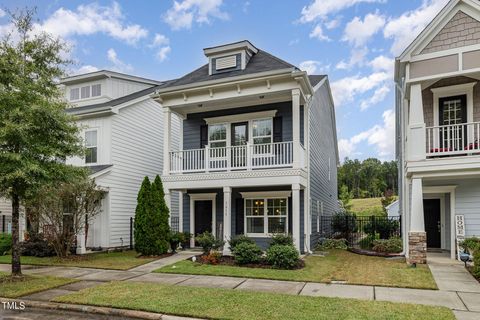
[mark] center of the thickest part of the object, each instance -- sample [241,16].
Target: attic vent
[226,62]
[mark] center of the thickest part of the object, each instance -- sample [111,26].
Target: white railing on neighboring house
[457,139]
[250,156]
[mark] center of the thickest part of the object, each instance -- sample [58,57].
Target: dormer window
[86,92]
[229,57]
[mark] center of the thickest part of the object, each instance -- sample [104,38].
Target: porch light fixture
[261,97]
[200,105]
[464,257]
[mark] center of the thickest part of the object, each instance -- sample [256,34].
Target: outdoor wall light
[464,257]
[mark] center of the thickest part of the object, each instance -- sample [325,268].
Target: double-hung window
[74,94]
[266,216]
[217,135]
[91,146]
[262,136]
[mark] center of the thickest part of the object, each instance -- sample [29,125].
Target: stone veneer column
[417,248]
[417,237]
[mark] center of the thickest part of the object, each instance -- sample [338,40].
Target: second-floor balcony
[236,158]
[453,140]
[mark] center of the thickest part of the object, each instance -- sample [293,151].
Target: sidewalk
[458,290]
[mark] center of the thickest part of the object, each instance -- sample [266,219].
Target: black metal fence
[358,231]
[5,222]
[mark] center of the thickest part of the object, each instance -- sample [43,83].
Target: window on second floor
[85,92]
[75,94]
[217,135]
[91,146]
[262,131]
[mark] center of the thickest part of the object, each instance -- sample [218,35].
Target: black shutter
[203,136]
[277,129]
[239,216]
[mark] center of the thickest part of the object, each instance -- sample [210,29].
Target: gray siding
[191,126]
[323,158]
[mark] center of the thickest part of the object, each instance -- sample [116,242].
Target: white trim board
[267,194]
[241,117]
[450,91]
[202,197]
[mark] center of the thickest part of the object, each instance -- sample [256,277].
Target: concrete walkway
[458,290]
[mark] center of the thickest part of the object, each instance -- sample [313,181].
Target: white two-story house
[121,126]
[258,150]
[438,131]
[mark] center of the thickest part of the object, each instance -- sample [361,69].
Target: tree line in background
[368,178]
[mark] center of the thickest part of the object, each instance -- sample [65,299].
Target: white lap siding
[467,202]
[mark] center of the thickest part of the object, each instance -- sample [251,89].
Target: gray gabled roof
[107,106]
[315,79]
[260,62]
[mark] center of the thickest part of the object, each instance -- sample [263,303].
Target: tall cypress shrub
[143,241]
[162,214]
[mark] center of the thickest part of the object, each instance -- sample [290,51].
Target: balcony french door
[453,113]
[239,139]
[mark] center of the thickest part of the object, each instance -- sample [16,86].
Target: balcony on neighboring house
[236,158]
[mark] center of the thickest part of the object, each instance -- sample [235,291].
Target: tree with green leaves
[345,197]
[151,219]
[35,132]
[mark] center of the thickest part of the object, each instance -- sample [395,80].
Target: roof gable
[447,20]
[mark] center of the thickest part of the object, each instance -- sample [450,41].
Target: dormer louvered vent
[226,62]
[229,57]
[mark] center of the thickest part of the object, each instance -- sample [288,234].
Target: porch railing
[457,139]
[256,156]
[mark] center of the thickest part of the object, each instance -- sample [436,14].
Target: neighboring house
[122,128]
[5,215]
[393,209]
[258,152]
[438,130]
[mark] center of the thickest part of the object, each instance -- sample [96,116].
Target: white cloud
[183,13]
[317,33]
[380,136]
[346,89]
[378,96]
[160,40]
[163,52]
[320,9]
[85,69]
[358,32]
[118,65]
[357,57]
[2,13]
[90,19]
[382,63]
[312,67]
[405,28]
[332,24]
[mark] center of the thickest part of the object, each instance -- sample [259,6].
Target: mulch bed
[230,261]
[470,269]
[374,253]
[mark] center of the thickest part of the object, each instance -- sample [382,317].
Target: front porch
[257,212]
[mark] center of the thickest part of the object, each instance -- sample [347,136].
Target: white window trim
[202,197]
[451,91]
[80,86]
[96,146]
[227,136]
[265,196]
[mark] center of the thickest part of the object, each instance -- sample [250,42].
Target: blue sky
[353,41]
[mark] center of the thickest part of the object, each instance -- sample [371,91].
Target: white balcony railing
[257,156]
[457,139]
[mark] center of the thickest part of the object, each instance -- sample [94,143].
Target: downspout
[307,217]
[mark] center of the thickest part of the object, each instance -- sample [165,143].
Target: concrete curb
[93,309]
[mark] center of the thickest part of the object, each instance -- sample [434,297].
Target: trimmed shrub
[282,240]
[476,264]
[175,239]
[208,242]
[5,243]
[392,245]
[383,226]
[245,253]
[235,241]
[344,223]
[327,244]
[282,256]
[186,239]
[37,246]
[213,257]
[367,242]
[472,245]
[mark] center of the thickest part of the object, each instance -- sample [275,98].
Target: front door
[431,213]
[203,216]
[452,113]
[239,138]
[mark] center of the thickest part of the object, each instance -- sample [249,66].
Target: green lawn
[337,265]
[10,288]
[240,305]
[367,207]
[113,260]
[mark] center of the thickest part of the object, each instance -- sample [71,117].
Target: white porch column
[307,221]
[417,223]
[166,140]
[180,210]
[81,249]
[417,237]
[227,219]
[296,127]
[168,202]
[296,215]
[192,222]
[416,125]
